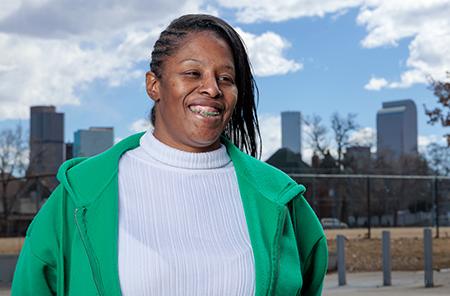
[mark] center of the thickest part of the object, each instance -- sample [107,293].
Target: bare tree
[439,159]
[440,114]
[13,160]
[317,134]
[342,127]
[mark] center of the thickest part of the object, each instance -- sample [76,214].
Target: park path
[410,283]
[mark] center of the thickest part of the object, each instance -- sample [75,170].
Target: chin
[206,144]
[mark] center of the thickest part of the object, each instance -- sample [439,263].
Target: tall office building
[46,142]
[291,131]
[92,141]
[397,129]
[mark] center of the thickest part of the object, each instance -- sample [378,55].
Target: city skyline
[318,58]
[396,133]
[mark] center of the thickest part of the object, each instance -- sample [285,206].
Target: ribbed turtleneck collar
[177,158]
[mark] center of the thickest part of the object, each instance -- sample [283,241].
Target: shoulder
[270,181]
[106,161]
[85,178]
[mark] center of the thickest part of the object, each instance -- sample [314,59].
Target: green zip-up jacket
[71,245]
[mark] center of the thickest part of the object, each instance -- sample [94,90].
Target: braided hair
[243,128]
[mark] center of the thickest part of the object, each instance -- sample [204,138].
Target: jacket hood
[85,178]
[63,170]
[276,185]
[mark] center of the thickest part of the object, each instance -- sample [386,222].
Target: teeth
[209,114]
[204,111]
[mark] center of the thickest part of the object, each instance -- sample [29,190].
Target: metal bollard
[340,240]
[428,257]
[386,258]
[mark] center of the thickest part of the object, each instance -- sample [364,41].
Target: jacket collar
[268,181]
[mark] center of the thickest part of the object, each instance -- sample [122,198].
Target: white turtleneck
[182,228]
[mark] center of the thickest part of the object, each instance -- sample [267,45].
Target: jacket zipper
[93,262]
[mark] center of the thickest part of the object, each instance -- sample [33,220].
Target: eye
[226,78]
[192,73]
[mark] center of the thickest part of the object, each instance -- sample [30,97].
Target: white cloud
[270,127]
[249,11]
[425,22]
[376,83]
[266,54]
[388,22]
[407,79]
[140,125]
[365,136]
[307,154]
[48,56]
[61,19]
[8,7]
[48,71]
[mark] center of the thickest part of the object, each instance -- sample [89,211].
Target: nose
[210,87]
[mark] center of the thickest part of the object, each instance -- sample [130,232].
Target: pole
[436,203]
[428,257]
[386,258]
[340,240]
[369,222]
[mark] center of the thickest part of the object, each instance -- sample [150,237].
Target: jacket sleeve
[33,276]
[311,244]
[36,268]
[315,268]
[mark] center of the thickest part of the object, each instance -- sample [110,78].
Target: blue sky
[317,57]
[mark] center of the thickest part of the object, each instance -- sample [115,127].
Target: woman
[179,210]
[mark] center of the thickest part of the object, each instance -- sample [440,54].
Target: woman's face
[196,94]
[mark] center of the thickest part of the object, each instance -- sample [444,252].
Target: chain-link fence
[353,201]
[378,200]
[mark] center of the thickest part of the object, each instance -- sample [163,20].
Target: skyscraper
[291,131]
[46,142]
[397,129]
[92,141]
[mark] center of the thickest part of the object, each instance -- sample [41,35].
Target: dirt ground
[362,254]
[11,245]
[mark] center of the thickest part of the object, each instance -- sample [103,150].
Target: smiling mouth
[205,111]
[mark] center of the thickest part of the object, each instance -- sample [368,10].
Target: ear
[152,85]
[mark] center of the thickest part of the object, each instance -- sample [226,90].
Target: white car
[330,223]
